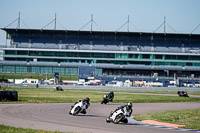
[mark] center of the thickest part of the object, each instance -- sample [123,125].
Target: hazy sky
[145,15]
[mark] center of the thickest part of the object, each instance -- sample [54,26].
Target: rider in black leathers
[111,95]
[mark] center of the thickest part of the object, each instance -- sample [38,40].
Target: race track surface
[55,117]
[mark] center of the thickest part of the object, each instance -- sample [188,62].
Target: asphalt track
[55,117]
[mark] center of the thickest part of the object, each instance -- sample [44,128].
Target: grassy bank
[45,95]
[8,129]
[190,118]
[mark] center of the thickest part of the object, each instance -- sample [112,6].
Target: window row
[49,70]
[103,55]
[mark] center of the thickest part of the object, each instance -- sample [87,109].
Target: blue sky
[109,15]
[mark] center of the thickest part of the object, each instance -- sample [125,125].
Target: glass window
[117,55]
[188,64]
[21,69]
[47,53]
[182,57]
[170,57]
[145,56]
[22,52]
[10,52]
[60,54]
[71,71]
[31,53]
[194,57]
[195,64]
[98,71]
[96,55]
[124,56]
[84,55]
[46,70]
[72,54]
[108,55]
[158,57]
[35,69]
[121,56]
[10,69]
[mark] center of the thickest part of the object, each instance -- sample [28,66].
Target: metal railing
[106,48]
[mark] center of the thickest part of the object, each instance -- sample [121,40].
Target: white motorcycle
[77,108]
[119,115]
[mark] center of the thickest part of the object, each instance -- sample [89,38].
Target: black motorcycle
[182,94]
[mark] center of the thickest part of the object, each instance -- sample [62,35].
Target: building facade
[110,53]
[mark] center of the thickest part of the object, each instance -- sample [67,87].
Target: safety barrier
[8,96]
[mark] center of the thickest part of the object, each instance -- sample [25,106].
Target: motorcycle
[120,115]
[107,98]
[182,94]
[77,108]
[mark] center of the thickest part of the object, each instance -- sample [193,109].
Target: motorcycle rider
[86,102]
[128,107]
[110,95]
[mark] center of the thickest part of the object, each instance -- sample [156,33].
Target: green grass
[153,92]
[8,129]
[160,92]
[190,118]
[35,76]
[46,95]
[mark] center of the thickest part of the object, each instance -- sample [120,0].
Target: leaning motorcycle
[106,99]
[77,108]
[119,115]
[182,94]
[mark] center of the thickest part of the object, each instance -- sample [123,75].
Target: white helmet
[129,105]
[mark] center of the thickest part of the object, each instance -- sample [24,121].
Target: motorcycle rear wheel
[118,118]
[125,120]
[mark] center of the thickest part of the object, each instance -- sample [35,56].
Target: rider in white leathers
[86,102]
[127,107]
[115,116]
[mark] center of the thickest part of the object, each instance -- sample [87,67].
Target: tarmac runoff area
[55,117]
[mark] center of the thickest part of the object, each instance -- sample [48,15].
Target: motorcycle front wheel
[77,110]
[104,101]
[108,120]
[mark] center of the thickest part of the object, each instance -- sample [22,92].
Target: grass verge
[8,129]
[45,95]
[190,118]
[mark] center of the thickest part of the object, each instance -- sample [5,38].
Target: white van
[30,81]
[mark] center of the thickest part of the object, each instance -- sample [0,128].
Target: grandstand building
[101,53]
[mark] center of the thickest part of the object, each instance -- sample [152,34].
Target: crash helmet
[129,105]
[87,99]
[111,92]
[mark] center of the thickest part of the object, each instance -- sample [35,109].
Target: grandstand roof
[78,32]
[102,37]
